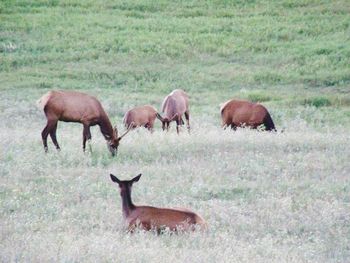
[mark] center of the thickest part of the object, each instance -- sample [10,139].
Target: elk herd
[72,106]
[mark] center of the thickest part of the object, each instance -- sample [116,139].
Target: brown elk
[72,106]
[241,113]
[174,106]
[142,116]
[153,218]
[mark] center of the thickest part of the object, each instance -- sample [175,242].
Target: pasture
[266,197]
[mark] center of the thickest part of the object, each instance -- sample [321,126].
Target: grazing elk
[142,116]
[174,106]
[153,218]
[241,113]
[71,106]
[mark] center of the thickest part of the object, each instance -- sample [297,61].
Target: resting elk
[174,106]
[72,106]
[142,116]
[153,218]
[241,113]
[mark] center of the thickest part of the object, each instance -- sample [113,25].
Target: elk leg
[131,228]
[178,123]
[53,136]
[150,126]
[187,116]
[49,126]
[86,136]
[44,135]
[167,126]
[233,127]
[139,225]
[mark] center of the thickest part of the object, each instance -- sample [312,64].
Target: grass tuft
[317,102]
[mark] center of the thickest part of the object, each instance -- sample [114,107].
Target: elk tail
[202,223]
[41,103]
[268,122]
[222,106]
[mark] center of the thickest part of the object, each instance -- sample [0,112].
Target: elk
[154,218]
[241,113]
[72,106]
[174,106]
[142,116]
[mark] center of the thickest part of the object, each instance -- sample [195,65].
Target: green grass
[266,197]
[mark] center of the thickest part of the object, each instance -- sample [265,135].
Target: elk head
[113,142]
[162,120]
[125,186]
[165,121]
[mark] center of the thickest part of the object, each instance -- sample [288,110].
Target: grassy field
[281,197]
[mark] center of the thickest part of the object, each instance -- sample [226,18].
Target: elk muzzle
[113,149]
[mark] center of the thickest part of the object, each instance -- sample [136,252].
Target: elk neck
[127,204]
[106,128]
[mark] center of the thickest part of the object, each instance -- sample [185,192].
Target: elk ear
[114,179]
[136,179]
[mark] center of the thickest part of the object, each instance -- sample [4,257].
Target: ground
[280,197]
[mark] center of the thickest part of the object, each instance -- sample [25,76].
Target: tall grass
[267,197]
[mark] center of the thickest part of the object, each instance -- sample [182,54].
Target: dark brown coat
[72,106]
[241,113]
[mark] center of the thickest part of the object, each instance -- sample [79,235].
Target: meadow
[267,197]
